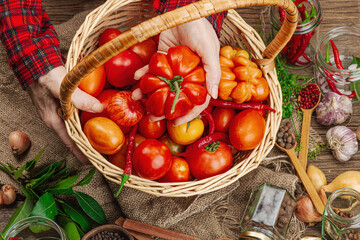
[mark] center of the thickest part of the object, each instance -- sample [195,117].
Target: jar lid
[253,235]
[311,238]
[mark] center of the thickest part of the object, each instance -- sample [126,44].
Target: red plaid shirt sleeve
[30,39]
[161,6]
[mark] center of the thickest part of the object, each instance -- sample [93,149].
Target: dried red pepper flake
[309,96]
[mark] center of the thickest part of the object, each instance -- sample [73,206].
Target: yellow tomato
[186,133]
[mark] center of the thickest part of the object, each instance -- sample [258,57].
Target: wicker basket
[83,58]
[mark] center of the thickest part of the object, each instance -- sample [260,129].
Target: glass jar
[268,213]
[328,76]
[341,218]
[300,50]
[27,229]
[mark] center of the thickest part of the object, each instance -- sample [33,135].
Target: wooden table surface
[336,14]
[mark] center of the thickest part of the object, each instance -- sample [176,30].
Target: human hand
[200,37]
[44,93]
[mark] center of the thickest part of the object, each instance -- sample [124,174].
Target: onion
[19,142]
[8,194]
[306,212]
[348,179]
[1,198]
[316,176]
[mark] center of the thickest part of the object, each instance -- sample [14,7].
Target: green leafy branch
[43,190]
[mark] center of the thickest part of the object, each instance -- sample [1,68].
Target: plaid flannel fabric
[30,40]
[161,6]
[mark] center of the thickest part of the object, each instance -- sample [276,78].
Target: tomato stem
[177,94]
[174,85]
[211,147]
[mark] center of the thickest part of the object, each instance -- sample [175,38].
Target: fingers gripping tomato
[241,79]
[174,83]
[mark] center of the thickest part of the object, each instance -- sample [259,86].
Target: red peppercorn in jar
[309,96]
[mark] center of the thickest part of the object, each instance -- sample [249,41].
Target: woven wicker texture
[138,22]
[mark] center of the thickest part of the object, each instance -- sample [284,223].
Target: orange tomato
[247,129]
[104,135]
[186,133]
[94,83]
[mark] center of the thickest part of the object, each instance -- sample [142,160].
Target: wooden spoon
[305,131]
[318,203]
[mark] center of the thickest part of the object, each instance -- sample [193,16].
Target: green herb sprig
[43,189]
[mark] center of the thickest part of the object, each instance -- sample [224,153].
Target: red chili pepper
[240,106]
[202,142]
[305,42]
[297,44]
[210,120]
[334,88]
[302,8]
[128,161]
[336,55]
[282,14]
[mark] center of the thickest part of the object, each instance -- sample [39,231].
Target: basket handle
[155,25]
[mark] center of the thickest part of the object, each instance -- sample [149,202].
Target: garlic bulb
[333,109]
[342,141]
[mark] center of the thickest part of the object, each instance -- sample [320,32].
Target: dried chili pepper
[336,55]
[202,142]
[305,42]
[282,14]
[128,162]
[210,120]
[240,106]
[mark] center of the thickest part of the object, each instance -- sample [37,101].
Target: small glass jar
[328,76]
[341,218]
[24,229]
[268,213]
[300,50]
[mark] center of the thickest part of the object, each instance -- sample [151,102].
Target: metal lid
[311,238]
[253,235]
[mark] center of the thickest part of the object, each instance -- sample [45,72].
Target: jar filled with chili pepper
[341,219]
[300,50]
[337,61]
[268,213]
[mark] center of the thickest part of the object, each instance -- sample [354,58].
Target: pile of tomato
[160,150]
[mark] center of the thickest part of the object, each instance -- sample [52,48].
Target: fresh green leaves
[356,61]
[21,212]
[42,190]
[91,207]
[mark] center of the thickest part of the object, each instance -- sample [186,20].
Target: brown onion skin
[1,198]
[306,212]
[8,194]
[19,142]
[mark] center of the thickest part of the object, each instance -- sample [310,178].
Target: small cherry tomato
[222,118]
[119,159]
[94,83]
[213,159]
[151,129]
[178,172]
[104,135]
[186,133]
[152,159]
[108,35]
[174,147]
[247,129]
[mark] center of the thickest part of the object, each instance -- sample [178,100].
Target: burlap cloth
[208,216]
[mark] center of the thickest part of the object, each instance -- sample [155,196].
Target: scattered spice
[309,96]
[108,235]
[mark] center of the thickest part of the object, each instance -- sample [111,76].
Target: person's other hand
[199,36]
[44,93]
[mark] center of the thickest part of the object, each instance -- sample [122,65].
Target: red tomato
[152,159]
[174,147]
[124,110]
[119,159]
[156,39]
[94,83]
[104,98]
[104,135]
[247,129]
[222,118]
[205,163]
[145,50]
[178,172]
[151,129]
[108,35]
[121,68]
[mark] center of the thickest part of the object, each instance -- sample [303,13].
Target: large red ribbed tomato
[247,129]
